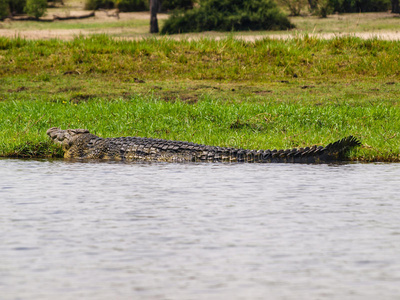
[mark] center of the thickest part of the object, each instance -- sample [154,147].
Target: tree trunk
[395,7]
[154,5]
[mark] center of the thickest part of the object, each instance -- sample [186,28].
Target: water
[198,231]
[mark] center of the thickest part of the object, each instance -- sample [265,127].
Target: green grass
[209,121]
[224,60]
[267,94]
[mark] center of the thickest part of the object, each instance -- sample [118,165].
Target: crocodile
[81,144]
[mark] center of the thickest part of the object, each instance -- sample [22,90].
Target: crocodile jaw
[65,138]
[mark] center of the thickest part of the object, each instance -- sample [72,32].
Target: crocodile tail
[339,148]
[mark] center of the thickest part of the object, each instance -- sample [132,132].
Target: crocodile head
[67,137]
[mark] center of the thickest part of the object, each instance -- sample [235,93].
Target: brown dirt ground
[68,34]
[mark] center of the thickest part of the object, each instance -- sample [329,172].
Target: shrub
[132,5]
[227,15]
[17,6]
[342,6]
[137,5]
[96,4]
[324,8]
[176,4]
[122,5]
[4,12]
[294,6]
[36,8]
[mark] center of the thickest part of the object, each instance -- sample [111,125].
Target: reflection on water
[198,231]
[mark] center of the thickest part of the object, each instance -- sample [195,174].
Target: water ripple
[198,231]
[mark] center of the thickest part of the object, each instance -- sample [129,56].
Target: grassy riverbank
[266,94]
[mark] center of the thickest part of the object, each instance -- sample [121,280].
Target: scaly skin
[80,143]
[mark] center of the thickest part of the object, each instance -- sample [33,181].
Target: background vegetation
[176,4]
[4,9]
[38,7]
[228,15]
[35,8]
[359,5]
[251,10]
[123,5]
[137,5]
[17,6]
[324,7]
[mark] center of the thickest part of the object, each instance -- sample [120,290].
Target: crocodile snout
[56,134]
[65,137]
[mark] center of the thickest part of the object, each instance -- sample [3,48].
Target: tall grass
[227,59]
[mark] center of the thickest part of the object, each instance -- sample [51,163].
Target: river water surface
[73,230]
